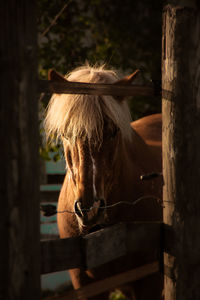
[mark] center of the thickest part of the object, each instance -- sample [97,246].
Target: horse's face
[92,128]
[92,173]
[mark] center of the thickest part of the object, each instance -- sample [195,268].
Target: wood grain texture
[60,254]
[105,245]
[109,283]
[100,247]
[181,148]
[116,280]
[93,88]
[19,186]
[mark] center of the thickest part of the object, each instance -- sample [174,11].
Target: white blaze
[94,176]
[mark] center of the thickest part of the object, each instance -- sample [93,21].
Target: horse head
[92,129]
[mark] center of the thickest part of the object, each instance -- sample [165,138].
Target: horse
[106,153]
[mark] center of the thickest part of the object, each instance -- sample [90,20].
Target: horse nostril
[77,208]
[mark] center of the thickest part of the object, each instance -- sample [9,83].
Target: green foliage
[124,35]
[52,152]
[117,295]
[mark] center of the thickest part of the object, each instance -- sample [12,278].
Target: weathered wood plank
[61,254]
[93,88]
[105,245]
[114,281]
[50,236]
[110,243]
[99,247]
[144,237]
[109,283]
[181,148]
[19,135]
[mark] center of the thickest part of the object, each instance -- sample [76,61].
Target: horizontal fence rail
[109,283]
[100,247]
[47,86]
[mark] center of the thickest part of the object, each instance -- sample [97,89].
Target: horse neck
[138,159]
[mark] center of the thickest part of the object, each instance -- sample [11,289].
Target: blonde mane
[75,116]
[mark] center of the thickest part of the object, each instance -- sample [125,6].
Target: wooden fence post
[181,148]
[19,186]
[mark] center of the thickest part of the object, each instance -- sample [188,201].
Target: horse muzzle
[92,215]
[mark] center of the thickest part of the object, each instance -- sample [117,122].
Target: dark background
[125,35]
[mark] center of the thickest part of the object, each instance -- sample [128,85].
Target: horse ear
[128,79]
[125,81]
[55,76]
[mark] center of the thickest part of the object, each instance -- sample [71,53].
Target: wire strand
[50,210]
[112,205]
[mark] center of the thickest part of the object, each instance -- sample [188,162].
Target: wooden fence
[101,247]
[19,223]
[95,88]
[98,248]
[181,146]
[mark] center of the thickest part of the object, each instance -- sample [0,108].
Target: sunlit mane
[83,116]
